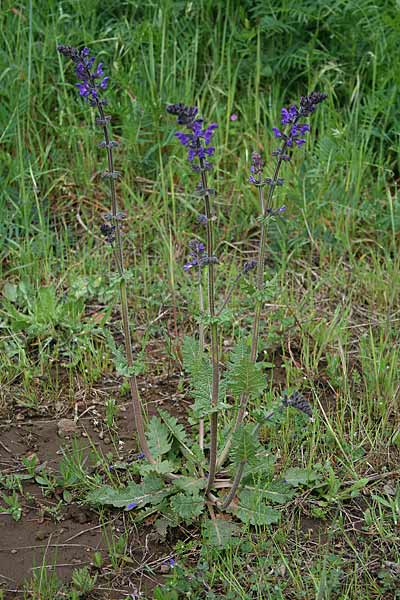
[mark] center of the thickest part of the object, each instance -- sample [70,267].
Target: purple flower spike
[90,86]
[198,138]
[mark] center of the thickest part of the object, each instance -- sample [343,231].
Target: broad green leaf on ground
[160,467]
[189,485]
[253,510]
[296,476]
[278,492]
[221,533]
[152,491]
[158,437]
[187,507]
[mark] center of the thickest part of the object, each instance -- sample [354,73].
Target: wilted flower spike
[297,400]
[249,266]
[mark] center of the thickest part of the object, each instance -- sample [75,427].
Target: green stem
[119,259]
[265,205]
[214,333]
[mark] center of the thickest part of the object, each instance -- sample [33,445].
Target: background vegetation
[334,315]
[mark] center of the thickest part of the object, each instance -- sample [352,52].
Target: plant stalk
[265,205]
[119,259]
[214,332]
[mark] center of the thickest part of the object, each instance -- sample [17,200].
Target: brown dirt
[66,536]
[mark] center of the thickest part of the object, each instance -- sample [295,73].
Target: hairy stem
[214,332]
[119,259]
[265,204]
[201,348]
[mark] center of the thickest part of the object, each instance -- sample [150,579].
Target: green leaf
[245,445]
[198,365]
[221,533]
[278,492]
[187,507]
[158,437]
[160,467]
[152,491]
[262,467]
[179,434]
[297,476]
[254,511]
[10,291]
[243,376]
[190,485]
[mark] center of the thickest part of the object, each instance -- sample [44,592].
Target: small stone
[13,551]
[67,428]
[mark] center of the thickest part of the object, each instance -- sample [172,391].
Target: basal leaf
[160,467]
[178,432]
[221,533]
[190,485]
[253,510]
[158,437]
[152,491]
[187,507]
[297,476]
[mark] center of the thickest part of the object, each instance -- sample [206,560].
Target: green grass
[333,327]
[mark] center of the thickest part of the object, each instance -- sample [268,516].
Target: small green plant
[13,506]
[111,412]
[83,581]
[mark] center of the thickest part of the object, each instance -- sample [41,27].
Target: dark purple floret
[249,266]
[197,255]
[198,138]
[92,80]
[309,103]
[185,114]
[294,131]
[108,231]
[297,400]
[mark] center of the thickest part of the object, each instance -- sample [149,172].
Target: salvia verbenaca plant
[178,473]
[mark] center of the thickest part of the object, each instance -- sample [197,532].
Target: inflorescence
[198,256]
[92,80]
[290,117]
[198,140]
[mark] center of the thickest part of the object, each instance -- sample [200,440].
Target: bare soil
[65,536]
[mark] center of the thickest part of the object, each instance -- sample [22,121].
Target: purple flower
[131,505]
[233,117]
[197,256]
[291,116]
[90,86]
[198,138]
